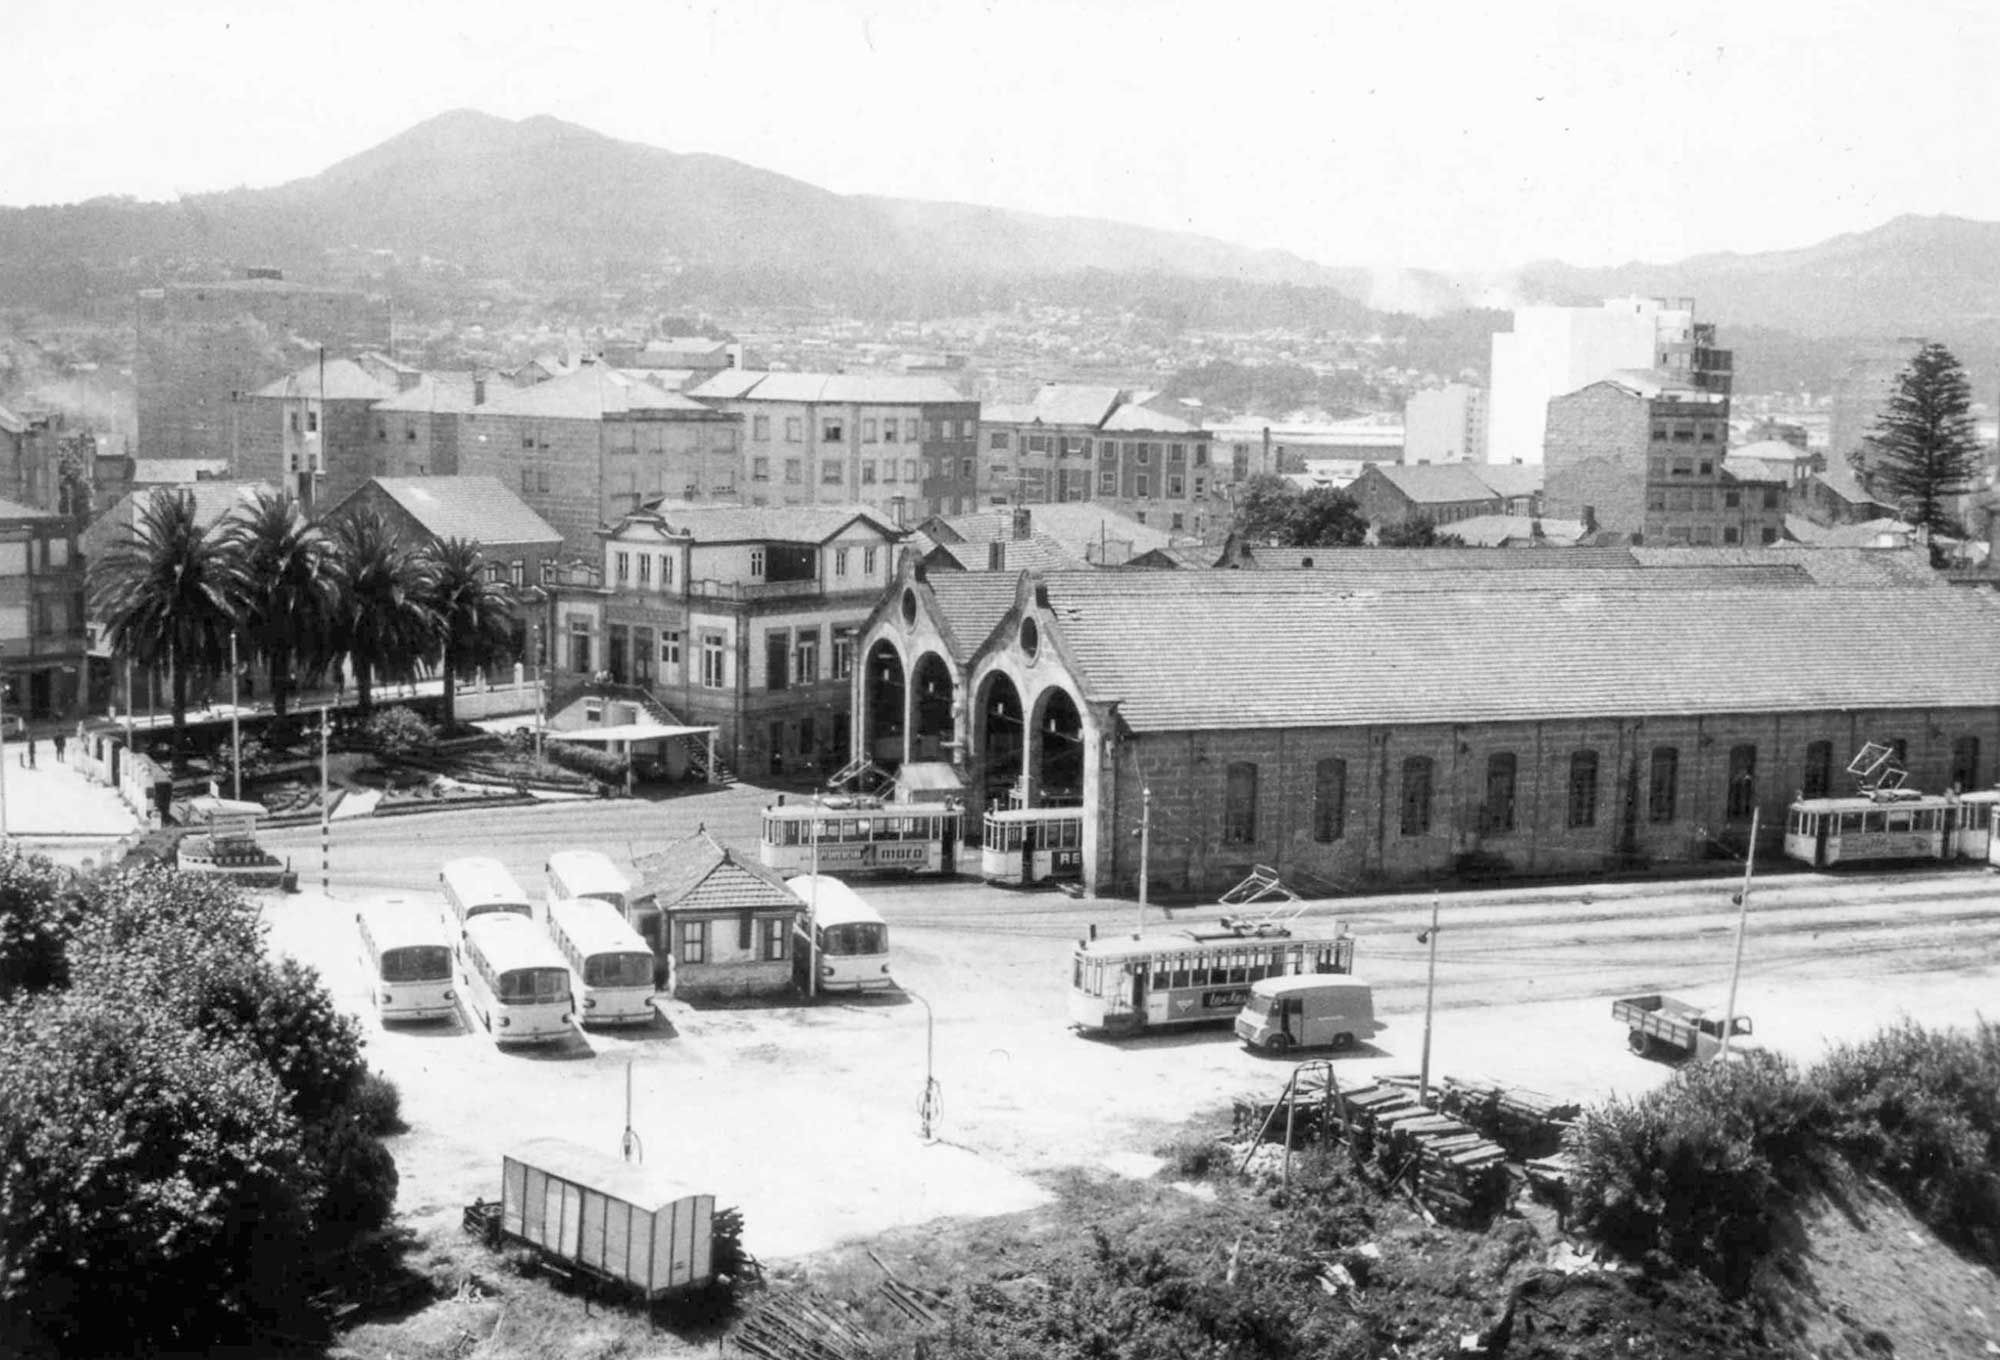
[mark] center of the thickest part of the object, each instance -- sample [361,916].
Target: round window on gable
[909,607]
[1031,638]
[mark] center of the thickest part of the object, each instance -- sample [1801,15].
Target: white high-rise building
[1445,425]
[1556,350]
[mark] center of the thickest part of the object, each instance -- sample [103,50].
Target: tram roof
[1311,649]
[1189,941]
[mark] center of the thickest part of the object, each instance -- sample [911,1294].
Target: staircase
[697,757]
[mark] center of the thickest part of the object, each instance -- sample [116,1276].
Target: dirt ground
[807,1117]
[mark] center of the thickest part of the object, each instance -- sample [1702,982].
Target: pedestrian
[62,744]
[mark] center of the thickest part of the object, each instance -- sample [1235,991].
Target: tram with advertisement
[1201,975]
[856,835]
[1890,825]
[1025,846]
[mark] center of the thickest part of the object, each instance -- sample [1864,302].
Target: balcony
[754,590]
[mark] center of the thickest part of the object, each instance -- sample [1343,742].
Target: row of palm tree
[301,595]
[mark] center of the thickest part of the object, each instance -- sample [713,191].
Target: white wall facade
[1555,350]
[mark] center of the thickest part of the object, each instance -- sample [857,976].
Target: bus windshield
[618,970]
[855,937]
[416,963]
[530,986]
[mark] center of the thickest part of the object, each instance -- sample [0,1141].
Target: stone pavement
[55,811]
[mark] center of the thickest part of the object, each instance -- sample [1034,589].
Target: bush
[38,914]
[378,1105]
[1191,1159]
[1697,1174]
[602,766]
[398,732]
[256,760]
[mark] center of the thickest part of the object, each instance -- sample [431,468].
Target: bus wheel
[1639,1043]
[1343,1040]
[1277,1043]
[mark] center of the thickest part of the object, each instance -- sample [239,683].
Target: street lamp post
[812,910]
[1742,926]
[927,1112]
[1429,937]
[235,726]
[3,728]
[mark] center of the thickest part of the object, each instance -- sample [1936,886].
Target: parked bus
[853,942]
[1891,825]
[514,979]
[1032,845]
[860,836]
[574,875]
[612,966]
[407,956]
[1121,985]
[475,886]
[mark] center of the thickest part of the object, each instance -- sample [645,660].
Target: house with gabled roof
[720,922]
[1392,494]
[1361,724]
[737,617]
[311,432]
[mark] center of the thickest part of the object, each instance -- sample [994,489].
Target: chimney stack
[1023,523]
[478,390]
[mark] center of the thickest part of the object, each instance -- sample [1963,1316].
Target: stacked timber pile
[1527,1123]
[800,1327]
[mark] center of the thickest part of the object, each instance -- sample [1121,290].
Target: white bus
[574,875]
[853,941]
[407,956]
[1201,975]
[514,979]
[611,964]
[475,886]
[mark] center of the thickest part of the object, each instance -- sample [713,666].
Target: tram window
[1899,821]
[1871,821]
[1850,823]
[1076,974]
[1178,978]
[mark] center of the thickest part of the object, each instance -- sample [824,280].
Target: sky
[1465,136]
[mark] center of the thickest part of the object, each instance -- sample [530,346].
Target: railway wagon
[620,1222]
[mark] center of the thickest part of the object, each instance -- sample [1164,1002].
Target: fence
[104,758]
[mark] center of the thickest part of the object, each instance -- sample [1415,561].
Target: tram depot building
[1400,717]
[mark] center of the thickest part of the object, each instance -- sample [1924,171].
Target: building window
[889,430]
[771,938]
[1239,804]
[805,656]
[670,649]
[1140,485]
[1817,780]
[694,942]
[760,429]
[1500,778]
[714,672]
[868,472]
[843,653]
[965,469]
[1583,788]
[1416,796]
[1770,498]
[1176,484]
[830,473]
[1038,443]
[889,470]
[777,652]
[1145,453]
[645,570]
[1965,763]
[760,469]
[792,471]
[1664,790]
[869,558]
[868,431]
[830,429]
[840,561]
[1742,781]
[1732,500]
[542,480]
[1329,800]
[622,567]
[757,563]
[1201,455]
[1770,536]
[795,430]
[517,573]
[1731,535]
[527,480]
[910,430]
[579,646]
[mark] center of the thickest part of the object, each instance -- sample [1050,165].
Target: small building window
[757,563]
[1239,806]
[714,656]
[1663,791]
[1583,788]
[1742,781]
[694,942]
[760,429]
[1329,800]
[1416,819]
[771,934]
[1965,763]
[1500,780]
[830,430]
[1816,781]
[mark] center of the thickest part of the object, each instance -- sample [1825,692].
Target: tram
[854,835]
[1201,975]
[1024,846]
[1889,825]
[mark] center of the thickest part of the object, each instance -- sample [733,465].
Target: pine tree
[1924,448]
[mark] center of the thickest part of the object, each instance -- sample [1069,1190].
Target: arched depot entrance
[1002,743]
[936,731]
[885,702]
[1059,752]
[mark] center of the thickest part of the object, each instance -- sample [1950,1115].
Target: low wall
[486,700]
[104,758]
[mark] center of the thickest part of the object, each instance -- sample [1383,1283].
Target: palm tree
[382,625]
[292,582]
[475,626]
[170,592]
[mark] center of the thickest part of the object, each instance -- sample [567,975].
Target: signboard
[863,855]
[1067,862]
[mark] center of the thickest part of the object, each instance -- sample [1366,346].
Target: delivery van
[1307,1011]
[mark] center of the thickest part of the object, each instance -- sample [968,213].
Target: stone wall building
[1075,442]
[43,639]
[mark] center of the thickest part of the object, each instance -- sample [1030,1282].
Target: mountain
[542,199]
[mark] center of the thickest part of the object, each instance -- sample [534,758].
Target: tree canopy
[1924,448]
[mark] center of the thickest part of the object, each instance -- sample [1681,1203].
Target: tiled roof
[1435,483]
[1740,469]
[1490,531]
[1869,534]
[1135,419]
[702,874]
[336,380]
[1843,485]
[973,603]
[862,389]
[757,524]
[1037,552]
[1830,565]
[593,392]
[1299,650]
[447,392]
[478,509]
[1073,528]
[1070,404]
[1386,560]
[1508,480]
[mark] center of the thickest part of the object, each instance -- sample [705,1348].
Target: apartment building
[43,642]
[1074,442]
[902,445]
[311,432]
[1445,425]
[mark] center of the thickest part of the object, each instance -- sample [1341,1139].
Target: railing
[753,590]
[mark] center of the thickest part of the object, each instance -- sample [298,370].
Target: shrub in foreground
[602,766]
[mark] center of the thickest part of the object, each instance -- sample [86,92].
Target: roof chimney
[1023,522]
[996,555]
[478,390]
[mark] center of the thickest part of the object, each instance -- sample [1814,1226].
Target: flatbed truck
[1666,1027]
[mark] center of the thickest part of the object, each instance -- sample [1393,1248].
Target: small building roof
[1133,418]
[1493,531]
[701,874]
[477,509]
[439,393]
[592,392]
[1843,484]
[335,380]
[858,389]
[1078,404]
[1508,480]
[756,523]
[1772,451]
[642,1187]
[1434,483]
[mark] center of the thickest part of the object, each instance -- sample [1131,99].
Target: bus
[1202,975]
[407,957]
[574,875]
[1891,825]
[514,979]
[853,942]
[860,836]
[476,886]
[1032,845]
[612,965]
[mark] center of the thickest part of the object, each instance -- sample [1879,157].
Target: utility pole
[3,728]
[1145,851]
[1429,937]
[812,911]
[325,820]
[1742,927]
[235,726]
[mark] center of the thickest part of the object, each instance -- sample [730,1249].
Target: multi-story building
[1643,455]
[1098,444]
[417,430]
[1392,494]
[311,432]
[1445,425]
[585,448]
[903,445]
[1859,394]
[737,617]
[42,636]
[1556,350]
[202,345]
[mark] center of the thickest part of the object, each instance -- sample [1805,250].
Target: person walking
[62,744]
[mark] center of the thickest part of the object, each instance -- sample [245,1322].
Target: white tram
[853,835]
[1032,845]
[1202,975]
[1890,825]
